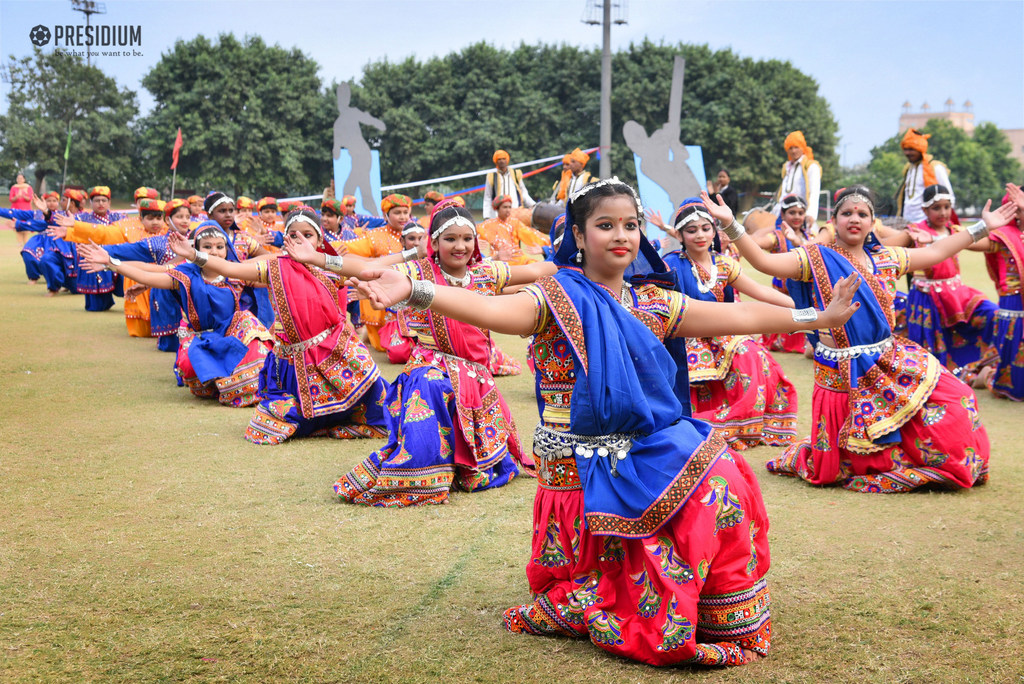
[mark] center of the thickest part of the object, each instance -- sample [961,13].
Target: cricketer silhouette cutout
[663,157]
[349,136]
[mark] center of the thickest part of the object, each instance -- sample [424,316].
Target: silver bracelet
[978,231]
[734,230]
[200,258]
[808,315]
[333,262]
[113,262]
[410,254]
[421,296]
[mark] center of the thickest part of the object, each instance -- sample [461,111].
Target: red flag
[177,148]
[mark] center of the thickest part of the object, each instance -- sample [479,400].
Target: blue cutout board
[655,197]
[342,169]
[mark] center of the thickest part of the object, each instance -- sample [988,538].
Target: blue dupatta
[210,310]
[627,381]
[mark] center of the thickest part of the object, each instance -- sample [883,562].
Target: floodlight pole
[88,8]
[605,160]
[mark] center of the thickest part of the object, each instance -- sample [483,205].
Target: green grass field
[141,539]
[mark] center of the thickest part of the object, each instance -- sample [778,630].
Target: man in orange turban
[920,171]
[574,174]
[801,176]
[504,181]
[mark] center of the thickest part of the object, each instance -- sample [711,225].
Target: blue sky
[867,57]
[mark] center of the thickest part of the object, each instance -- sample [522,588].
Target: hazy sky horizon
[867,57]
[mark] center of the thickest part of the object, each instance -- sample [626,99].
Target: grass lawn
[143,539]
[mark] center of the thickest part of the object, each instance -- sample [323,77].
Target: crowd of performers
[653,370]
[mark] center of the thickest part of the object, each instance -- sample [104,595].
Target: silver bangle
[410,254]
[808,315]
[734,230]
[978,231]
[421,296]
[333,262]
[113,262]
[200,258]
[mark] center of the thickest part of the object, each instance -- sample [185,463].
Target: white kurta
[913,189]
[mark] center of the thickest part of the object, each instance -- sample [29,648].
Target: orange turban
[796,139]
[51,195]
[76,195]
[499,200]
[331,205]
[147,204]
[580,156]
[99,191]
[174,205]
[145,192]
[194,198]
[349,200]
[266,202]
[433,196]
[243,202]
[392,201]
[913,140]
[500,154]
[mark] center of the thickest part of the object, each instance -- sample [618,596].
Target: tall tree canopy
[979,164]
[254,118]
[49,92]
[448,114]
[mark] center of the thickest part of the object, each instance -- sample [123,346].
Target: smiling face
[794,217]
[268,214]
[853,223]
[398,217]
[611,236]
[180,220]
[938,213]
[52,203]
[329,220]
[455,247]
[698,236]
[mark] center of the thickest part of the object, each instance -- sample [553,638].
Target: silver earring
[579,257]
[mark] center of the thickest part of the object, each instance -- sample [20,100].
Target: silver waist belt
[929,284]
[834,354]
[293,350]
[550,444]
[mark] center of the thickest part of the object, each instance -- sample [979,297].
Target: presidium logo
[70,36]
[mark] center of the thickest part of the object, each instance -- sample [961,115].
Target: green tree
[449,114]
[254,118]
[49,92]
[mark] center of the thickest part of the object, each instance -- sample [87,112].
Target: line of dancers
[649,530]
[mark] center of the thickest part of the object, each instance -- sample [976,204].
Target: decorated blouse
[661,311]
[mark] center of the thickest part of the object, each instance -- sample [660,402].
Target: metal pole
[174,178]
[605,166]
[64,178]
